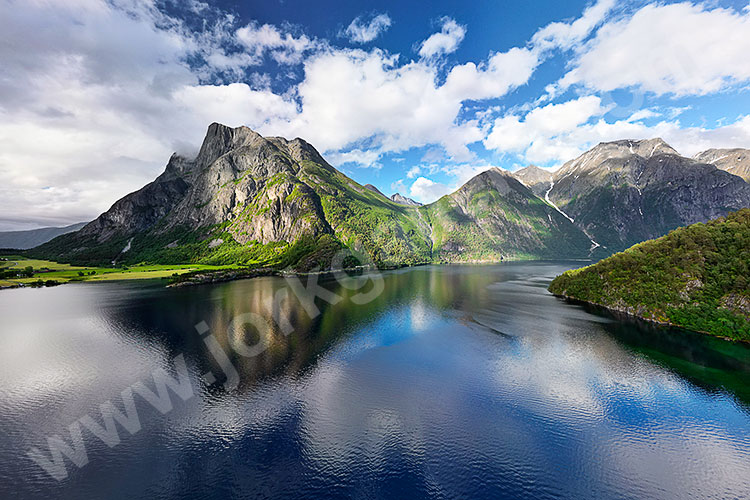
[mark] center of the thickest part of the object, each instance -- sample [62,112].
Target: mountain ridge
[258,200]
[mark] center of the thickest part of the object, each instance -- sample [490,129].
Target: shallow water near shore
[453,382]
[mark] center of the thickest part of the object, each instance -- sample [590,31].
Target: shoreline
[631,316]
[202,277]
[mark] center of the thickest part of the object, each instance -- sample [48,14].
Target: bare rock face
[251,198]
[735,161]
[403,200]
[141,210]
[625,192]
[535,178]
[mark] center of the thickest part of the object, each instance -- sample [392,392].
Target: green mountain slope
[697,277]
[494,216]
[267,201]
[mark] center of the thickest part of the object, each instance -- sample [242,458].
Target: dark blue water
[453,382]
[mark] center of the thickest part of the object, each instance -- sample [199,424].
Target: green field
[62,273]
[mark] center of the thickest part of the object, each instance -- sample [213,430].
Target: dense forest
[696,277]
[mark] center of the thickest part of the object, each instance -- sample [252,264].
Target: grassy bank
[17,270]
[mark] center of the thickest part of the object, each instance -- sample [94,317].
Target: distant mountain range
[269,201]
[23,240]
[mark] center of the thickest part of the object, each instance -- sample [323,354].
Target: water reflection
[463,381]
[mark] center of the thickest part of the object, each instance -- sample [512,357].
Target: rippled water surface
[454,382]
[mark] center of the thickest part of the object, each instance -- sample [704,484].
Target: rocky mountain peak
[614,150]
[403,200]
[735,161]
[496,178]
[533,175]
[221,139]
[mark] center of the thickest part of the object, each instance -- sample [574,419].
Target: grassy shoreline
[49,273]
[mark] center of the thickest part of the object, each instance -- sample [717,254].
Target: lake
[428,382]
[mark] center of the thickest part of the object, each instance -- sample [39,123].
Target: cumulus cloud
[567,35]
[679,49]
[559,132]
[425,190]
[92,109]
[367,158]
[405,105]
[361,31]
[512,133]
[284,48]
[446,41]
[413,172]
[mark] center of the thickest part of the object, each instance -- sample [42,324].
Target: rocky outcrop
[735,161]
[374,190]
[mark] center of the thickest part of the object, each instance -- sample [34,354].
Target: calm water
[454,382]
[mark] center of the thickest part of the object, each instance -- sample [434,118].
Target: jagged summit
[645,147]
[259,201]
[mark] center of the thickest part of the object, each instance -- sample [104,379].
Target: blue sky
[414,97]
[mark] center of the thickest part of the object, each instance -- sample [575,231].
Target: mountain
[735,161]
[23,240]
[246,199]
[697,277]
[403,200]
[494,216]
[535,178]
[624,192]
[374,190]
[269,201]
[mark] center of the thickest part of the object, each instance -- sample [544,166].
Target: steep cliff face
[249,199]
[735,161]
[495,216]
[625,192]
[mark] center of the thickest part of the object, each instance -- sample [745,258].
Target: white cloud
[450,37]
[93,109]
[284,48]
[367,158]
[512,134]
[567,35]
[405,106]
[413,172]
[560,132]
[502,72]
[425,190]
[360,31]
[399,187]
[680,49]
